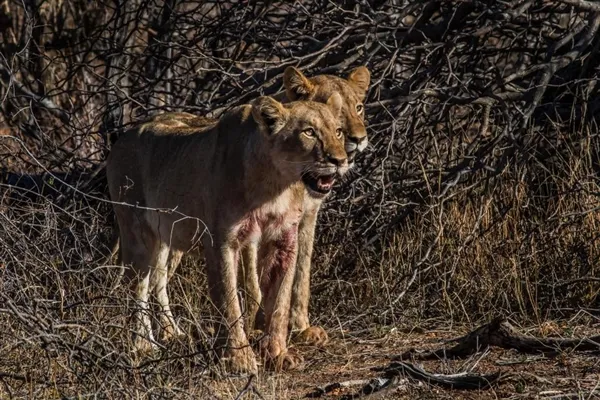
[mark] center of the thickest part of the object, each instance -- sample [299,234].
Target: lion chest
[269,222]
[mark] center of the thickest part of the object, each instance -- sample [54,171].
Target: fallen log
[501,333]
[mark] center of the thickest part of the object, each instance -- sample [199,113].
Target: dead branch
[502,334]
[584,394]
[465,381]
[249,388]
[328,389]
[451,193]
[8,80]
[393,372]
[582,5]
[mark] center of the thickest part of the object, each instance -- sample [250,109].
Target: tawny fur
[319,88]
[232,182]
[297,87]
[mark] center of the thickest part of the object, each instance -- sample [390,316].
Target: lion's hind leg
[139,251]
[159,279]
[175,257]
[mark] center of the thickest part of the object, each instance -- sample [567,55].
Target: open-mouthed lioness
[297,87]
[242,180]
[319,88]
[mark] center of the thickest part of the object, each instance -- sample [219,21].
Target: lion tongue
[325,182]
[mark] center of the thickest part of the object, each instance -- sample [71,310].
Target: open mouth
[319,186]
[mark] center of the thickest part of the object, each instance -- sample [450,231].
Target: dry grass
[477,196]
[180,371]
[66,334]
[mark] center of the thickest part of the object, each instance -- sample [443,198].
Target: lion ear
[360,77]
[269,114]
[297,86]
[335,104]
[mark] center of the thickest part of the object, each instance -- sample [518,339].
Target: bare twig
[501,334]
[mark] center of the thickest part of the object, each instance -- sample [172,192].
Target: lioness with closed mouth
[242,179]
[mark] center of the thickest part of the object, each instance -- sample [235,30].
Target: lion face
[306,140]
[352,91]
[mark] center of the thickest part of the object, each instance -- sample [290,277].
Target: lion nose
[359,140]
[336,159]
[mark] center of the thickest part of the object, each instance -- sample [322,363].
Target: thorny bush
[478,193]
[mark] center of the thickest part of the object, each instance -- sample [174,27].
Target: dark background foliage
[478,193]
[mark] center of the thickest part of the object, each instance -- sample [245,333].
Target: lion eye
[310,132]
[359,108]
[339,132]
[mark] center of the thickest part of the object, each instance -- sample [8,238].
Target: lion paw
[170,332]
[312,336]
[286,361]
[143,346]
[242,361]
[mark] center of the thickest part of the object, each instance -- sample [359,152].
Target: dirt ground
[355,356]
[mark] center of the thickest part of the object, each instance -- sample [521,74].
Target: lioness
[297,87]
[243,180]
[319,88]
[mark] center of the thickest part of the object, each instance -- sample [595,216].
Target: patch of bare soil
[354,363]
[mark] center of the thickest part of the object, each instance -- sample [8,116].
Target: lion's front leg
[299,322]
[252,295]
[221,263]
[278,261]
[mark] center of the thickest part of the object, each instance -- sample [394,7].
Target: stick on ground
[502,334]
[398,369]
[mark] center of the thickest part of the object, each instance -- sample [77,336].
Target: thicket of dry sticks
[479,191]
